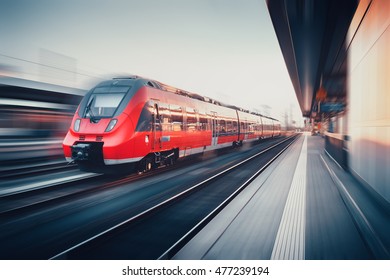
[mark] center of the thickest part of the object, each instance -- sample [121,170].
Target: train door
[157,130]
[214,128]
[262,128]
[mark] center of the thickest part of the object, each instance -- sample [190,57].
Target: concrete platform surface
[303,206]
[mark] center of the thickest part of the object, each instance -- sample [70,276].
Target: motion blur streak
[34,117]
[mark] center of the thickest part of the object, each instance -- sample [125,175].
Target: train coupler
[81,151]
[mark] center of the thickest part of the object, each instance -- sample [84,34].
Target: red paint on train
[145,124]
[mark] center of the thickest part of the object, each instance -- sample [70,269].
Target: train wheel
[170,161]
[140,168]
[145,165]
[148,165]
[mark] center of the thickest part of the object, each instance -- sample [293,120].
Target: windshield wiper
[88,110]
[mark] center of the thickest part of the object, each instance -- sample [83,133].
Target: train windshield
[104,102]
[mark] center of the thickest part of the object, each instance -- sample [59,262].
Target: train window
[146,118]
[103,105]
[257,125]
[235,126]
[177,117]
[269,125]
[251,127]
[165,117]
[229,127]
[203,122]
[191,120]
[222,127]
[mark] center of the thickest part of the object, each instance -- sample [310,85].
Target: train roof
[165,87]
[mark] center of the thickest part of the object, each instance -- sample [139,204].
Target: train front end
[101,131]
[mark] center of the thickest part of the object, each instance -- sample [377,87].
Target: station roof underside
[312,37]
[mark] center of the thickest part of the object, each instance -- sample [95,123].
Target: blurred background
[37,102]
[52,52]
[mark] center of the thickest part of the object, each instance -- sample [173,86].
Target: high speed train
[141,124]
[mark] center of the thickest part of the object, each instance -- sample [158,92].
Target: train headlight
[111,125]
[76,125]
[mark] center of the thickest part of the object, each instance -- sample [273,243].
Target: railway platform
[303,206]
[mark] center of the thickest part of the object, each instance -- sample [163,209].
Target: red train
[145,124]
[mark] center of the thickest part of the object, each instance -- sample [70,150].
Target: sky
[224,49]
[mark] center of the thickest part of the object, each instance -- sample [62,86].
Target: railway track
[27,197]
[16,198]
[28,158]
[36,167]
[162,229]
